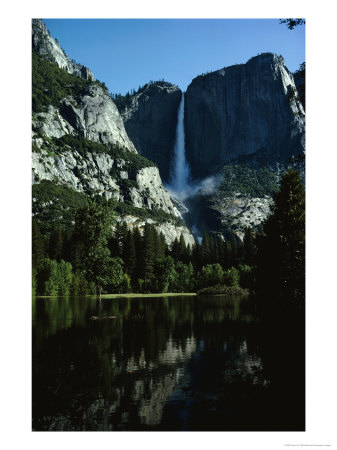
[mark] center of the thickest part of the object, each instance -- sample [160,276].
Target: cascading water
[181,187]
[180,170]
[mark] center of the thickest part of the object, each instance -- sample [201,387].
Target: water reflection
[175,363]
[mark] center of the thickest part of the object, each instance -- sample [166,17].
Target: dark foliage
[256,182]
[281,249]
[292,23]
[222,289]
[50,84]
[55,203]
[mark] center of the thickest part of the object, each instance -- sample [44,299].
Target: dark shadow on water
[172,363]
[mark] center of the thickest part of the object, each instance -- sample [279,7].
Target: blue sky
[127,53]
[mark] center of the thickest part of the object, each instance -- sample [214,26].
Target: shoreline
[129,295]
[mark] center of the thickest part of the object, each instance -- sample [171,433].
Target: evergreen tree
[227,255]
[197,256]
[160,245]
[93,228]
[38,246]
[281,250]
[205,250]
[183,256]
[56,242]
[234,249]
[148,253]
[249,247]
[175,250]
[129,254]
[139,267]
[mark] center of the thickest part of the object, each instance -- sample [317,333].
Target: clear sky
[127,53]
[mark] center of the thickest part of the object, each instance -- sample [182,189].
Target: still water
[172,363]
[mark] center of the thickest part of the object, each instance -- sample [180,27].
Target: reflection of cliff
[151,409]
[140,391]
[244,366]
[173,364]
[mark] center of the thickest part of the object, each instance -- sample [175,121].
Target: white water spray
[181,187]
[180,170]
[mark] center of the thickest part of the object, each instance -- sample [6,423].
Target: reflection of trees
[120,374]
[111,364]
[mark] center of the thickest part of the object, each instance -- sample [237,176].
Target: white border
[15,325]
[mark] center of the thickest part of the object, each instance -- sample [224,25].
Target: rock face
[169,230]
[50,49]
[92,173]
[241,110]
[299,78]
[94,116]
[128,178]
[240,212]
[150,119]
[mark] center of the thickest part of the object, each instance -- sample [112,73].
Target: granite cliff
[244,125]
[80,143]
[150,118]
[242,110]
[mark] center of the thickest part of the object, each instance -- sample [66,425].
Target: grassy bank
[130,295]
[164,294]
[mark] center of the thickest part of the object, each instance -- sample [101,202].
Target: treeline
[94,257]
[123,101]
[99,255]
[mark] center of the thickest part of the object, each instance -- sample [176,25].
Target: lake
[171,363]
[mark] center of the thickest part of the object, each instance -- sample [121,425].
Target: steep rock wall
[93,116]
[150,120]
[241,110]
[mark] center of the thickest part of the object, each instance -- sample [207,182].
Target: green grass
[130,295]
[163,294]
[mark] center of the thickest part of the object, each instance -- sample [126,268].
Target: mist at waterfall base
[181,187]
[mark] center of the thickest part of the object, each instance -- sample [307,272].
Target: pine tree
[93,228]
[205,250]
[281,250]
[56,242]
[249,247]
[183,255]
[197,256]
[129,254]
[234,250]
[148,252]
[160,245]
[227,255]
[175,250]
[139,267]
[38,246]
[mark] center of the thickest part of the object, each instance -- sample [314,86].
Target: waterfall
[180,170]
[181,186]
